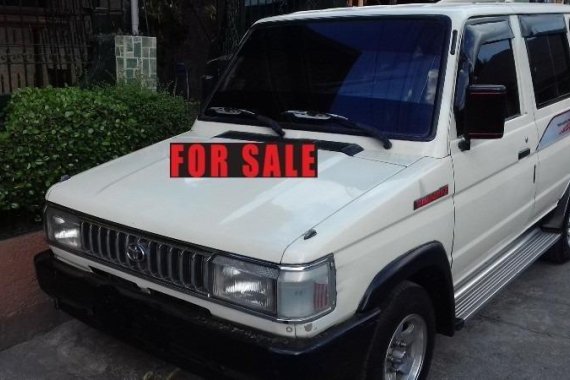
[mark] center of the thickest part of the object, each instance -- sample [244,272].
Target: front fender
[426,265]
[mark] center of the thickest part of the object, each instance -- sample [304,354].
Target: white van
[443,136]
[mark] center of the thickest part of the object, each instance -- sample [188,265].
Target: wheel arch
[427,266]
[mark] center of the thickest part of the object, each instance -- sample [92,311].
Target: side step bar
[515,258]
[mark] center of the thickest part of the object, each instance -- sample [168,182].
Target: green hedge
[52,132]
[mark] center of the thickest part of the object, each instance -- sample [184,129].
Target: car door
[546,42]
[494,180]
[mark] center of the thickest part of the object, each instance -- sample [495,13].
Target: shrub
[52,132]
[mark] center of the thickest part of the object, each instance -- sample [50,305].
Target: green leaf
[54,131]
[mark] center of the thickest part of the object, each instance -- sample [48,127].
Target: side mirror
[484,113]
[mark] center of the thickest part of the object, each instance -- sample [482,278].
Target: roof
[454,9]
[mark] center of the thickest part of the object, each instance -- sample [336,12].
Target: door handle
[524,153]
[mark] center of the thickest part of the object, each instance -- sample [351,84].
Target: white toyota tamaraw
[443,136]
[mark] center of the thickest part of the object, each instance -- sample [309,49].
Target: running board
[515,258]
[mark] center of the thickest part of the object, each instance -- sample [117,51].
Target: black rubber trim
[555,220]
[453,43]
[427,260]
[479,31]
[349,149]
[542,24]
[188,336]
[524,153]
[459,324]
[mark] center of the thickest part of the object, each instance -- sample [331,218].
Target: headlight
[63,228]
[285,292]
[244,283]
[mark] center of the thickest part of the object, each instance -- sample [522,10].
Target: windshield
[382,72]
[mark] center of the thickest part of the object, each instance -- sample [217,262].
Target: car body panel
[257,217]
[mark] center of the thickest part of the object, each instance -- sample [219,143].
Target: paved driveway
[523,334]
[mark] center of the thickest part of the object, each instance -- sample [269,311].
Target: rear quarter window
[549,59]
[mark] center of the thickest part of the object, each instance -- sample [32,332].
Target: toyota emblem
[137,252]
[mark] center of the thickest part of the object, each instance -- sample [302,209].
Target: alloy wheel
[407,350]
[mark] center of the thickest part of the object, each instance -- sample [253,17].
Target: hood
[256,217]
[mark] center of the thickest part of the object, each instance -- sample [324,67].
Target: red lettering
[271,167]
[273,160]
[308,161]
[219,160]
[176,159]
[290,170]
[196,160]
[250,168]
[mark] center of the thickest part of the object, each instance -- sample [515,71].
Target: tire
[560,252]
[407,310]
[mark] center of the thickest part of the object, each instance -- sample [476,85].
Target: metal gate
[236,16]
[48,42]
[257,9]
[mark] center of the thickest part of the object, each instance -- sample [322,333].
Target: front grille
[182,267]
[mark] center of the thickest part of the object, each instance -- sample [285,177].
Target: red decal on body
[432,197]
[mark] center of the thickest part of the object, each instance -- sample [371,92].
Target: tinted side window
[496,65]
[550,67]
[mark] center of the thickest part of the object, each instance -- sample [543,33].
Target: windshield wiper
[231,111]
[342,120]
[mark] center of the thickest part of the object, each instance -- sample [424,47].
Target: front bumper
[187,335]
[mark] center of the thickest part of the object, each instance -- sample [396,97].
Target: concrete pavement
[523,334]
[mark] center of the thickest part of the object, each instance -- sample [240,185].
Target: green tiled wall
[136,59]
